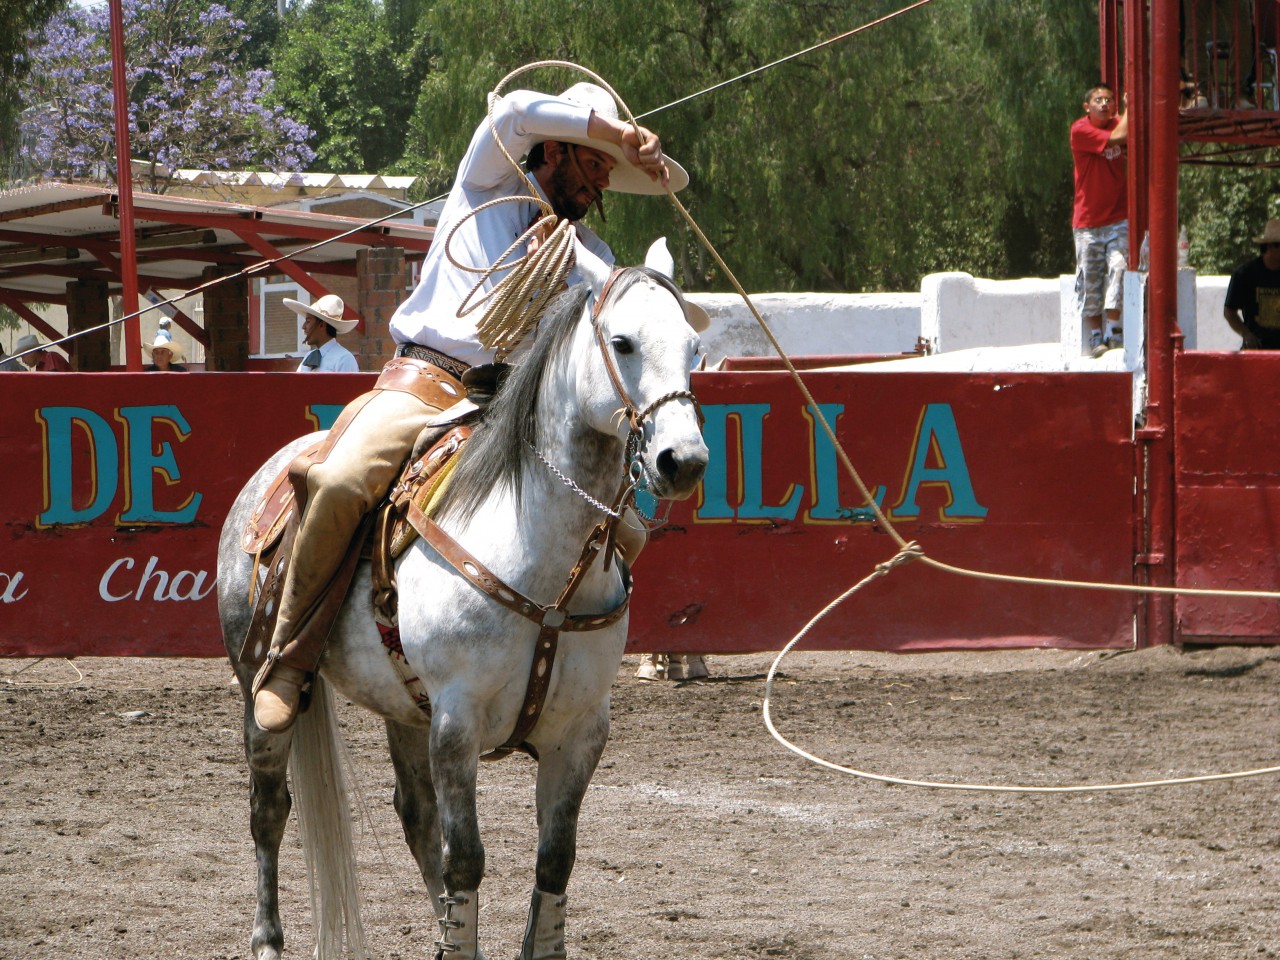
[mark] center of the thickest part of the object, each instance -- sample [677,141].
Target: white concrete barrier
[952,312]
[811,324]
[960,312]
[1212,331]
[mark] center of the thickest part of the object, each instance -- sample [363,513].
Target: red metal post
[1137,94]
[1109,40]
[1162,320]
[124,181]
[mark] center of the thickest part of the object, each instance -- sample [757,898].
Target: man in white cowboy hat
[584,150]
[35,356]
[322,322]
[1252,305]
[166,356]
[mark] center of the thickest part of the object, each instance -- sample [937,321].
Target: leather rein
[554,618]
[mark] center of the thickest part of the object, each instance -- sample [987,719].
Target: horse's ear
[658,258]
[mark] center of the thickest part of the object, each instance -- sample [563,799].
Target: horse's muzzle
[679,469]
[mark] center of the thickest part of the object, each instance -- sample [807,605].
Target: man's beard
[564,194]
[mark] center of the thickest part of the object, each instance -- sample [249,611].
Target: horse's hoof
[653,666]
[695,668]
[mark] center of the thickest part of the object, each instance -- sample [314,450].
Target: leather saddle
[383,535]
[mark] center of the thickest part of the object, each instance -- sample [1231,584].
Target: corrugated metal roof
[55,233]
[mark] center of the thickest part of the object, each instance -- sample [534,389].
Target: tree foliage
[350,70]
[19,20]
[1223,208]
[937,141]
[191,104]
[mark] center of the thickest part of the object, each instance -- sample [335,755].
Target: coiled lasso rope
[515,303]
[913,551]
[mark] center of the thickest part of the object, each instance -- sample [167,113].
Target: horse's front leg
[455,750]
[564,772]
[268,758]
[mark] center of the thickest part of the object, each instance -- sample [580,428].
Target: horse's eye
[622,345]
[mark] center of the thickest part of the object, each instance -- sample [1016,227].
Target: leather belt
[433,357]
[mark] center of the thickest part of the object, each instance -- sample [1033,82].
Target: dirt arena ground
[124,815]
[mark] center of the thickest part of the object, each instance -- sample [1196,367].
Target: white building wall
[952,312]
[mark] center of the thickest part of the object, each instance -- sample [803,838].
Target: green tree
[262,29]
[19,19]
[919,145]
[350,69]
[1223,208]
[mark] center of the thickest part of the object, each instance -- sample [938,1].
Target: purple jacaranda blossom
[191,103]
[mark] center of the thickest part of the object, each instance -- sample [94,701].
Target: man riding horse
[577,148]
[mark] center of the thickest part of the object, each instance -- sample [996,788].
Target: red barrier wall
[1228,493]
[116,485]
[1025,474]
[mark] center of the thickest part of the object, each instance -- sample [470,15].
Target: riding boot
[458,933]
[335,493]
[544,932]
[277,691]
[326,530]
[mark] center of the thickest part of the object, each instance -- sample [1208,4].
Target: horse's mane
[499,450]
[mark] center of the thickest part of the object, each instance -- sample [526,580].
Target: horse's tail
[318,765]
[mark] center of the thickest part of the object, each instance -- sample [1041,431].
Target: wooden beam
[296,273]
[44,209]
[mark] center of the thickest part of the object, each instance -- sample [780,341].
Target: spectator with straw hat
[165,355]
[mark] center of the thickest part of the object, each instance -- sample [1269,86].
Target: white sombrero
[624,178]
[163,342]
[328,308]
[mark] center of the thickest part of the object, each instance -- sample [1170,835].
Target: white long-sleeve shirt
[429,317]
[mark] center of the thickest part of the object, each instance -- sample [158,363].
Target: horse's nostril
[668,465]
[681,467]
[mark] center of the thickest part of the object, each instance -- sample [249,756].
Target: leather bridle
[554,618]
[635,416]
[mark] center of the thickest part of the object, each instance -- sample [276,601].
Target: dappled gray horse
[602,396]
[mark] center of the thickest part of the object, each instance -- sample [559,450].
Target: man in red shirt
[35,356]
[1100,218]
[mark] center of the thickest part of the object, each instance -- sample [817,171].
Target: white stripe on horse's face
[654,349]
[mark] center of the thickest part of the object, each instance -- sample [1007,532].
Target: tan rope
[911,552]
[821,419]
[9,680]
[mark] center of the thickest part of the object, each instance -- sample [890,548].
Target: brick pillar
[87,307]
[381,275]
[226,320]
